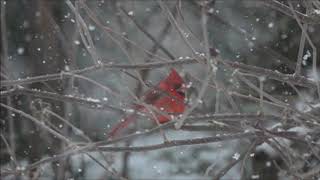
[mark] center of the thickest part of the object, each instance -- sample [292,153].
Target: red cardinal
[167,96]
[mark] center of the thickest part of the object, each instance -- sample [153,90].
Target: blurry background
[41,37]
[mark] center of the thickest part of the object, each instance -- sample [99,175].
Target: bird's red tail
[121,125]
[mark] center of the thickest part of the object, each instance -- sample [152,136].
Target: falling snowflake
[130,13]
[236,156]
[270,25]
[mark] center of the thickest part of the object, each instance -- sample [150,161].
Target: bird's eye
[181,93]
[177,86]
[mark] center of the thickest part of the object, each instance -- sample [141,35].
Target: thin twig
[87,102]
[157,44]
[314,49]
[274,4]
[224,170]
[9,76]
[11,152]
[84,32]
[269,74]
[211,70]
[37,122]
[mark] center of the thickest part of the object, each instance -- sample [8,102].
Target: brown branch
[140,27]
[93,103]
[269,74]
[175,143]
[190,119]
[94,146]
[38,123]
[135,149]
[94,68]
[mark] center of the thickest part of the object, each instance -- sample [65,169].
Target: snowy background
[57,98]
